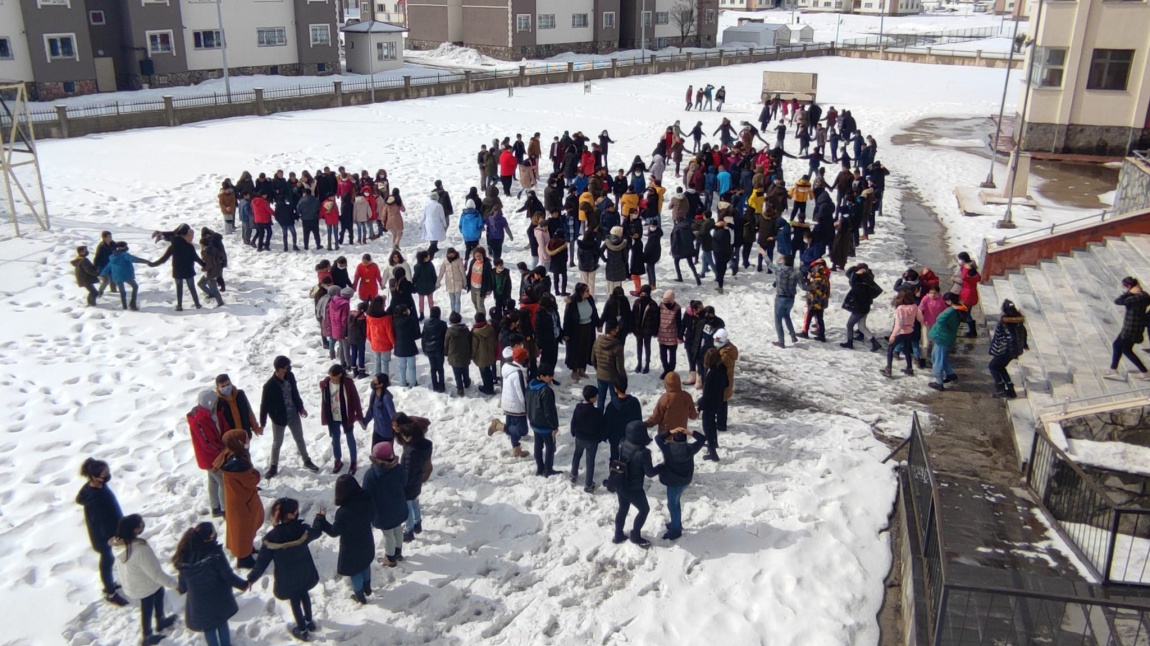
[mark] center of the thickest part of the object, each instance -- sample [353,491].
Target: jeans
[515,426]
[406,371]
[215,490]
[675,507]
[311,229]
[210,288]
[355,355]
[858,320]
[380,362]
[691,264]
[544,452]
[284,230]
[361,580]
[413,514]
[708,261]
[180,282]
[590,448]
[940,362]
[604,388]
[334,429]
[361,231]
[456,299]
[783,307]
[124,301]
[296,427]
[462,377]
[264,236]
[218,636]
[392,539]
[1123,348]
[906,342]
[151,609]
[333,235]
[631,496]
[301,610]
[435,368]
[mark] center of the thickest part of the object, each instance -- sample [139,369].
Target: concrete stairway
[1072,320]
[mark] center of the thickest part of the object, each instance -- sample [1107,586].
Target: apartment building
[656,21]
[1089,78]
[68,47]
[389,11]
[871,7]
[752,5]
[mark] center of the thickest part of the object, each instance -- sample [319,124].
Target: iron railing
[926,39]
[961,613]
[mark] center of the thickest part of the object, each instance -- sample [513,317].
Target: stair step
[1077,360]
[1091,334]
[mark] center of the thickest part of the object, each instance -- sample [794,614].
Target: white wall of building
[359,56]
[19,67]
[563,31]
[241,19]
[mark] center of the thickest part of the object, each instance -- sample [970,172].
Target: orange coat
[243,509]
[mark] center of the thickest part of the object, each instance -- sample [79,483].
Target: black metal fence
[1114,541]
[966,614]
[925,39]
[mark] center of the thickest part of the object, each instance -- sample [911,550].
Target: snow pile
[786,537]
[827,25]
[451,55]
[1114,456]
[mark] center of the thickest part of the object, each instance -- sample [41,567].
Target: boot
[1010,394]
[922,363]
[619,538]
[151,640]
[408,537]
[165,623]
[849,345]
[271,472]
[518,452]
[886,372]
[691,379]
[638,539]
[875,346]
[494,427]
[300,633]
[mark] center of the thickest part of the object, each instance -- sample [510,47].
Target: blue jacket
[581,184]
[120,267]
[710,180]
[385,481]
[724,181]
[471,225]
[381,410]
[496,226]
[783,237]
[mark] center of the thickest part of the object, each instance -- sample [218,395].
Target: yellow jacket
[801,191]
[627,202]
[755,201]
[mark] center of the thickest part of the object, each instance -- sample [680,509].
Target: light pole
[643,29]
[372,55]
[881,20]
[837,25]
[224,48]
[1007,221]
[989,183]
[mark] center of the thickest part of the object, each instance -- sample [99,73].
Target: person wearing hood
[286,545]
[728,354]
[544,420]
[339,411]
[207,582]
[338,310]
[120,271]
[1007,344]
[433,224]
[352,526]
[471,227]
[386,481]
[208,442]
[711,404]
[615,255]
[233,410]
[102,517]
[634,466]
[242,506]
[858,301]
[677,471]
[184,259]
[142,577]
[675,407]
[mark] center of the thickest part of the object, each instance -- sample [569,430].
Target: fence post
[570,72]
[407,86]
[523,81]
[689,61]
[467,81]
[614,68]
[978,56]
[337,94]
[169,111]
[654,67]
[261,109]
[62,118]
[751,54]
[721,58]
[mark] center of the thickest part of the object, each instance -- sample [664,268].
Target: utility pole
[989,183]
[1007,221]
[643,28]
[224,48]
[881,20]
[372,54]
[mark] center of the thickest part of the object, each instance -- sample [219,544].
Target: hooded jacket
[338,307]
[138,570]
[120,266]
[678,468]
[675,408]
[635,453]
[587,423]
[368,279]
[380,333]
[245,511]
[101,514]
[353,527]
[945,328]
[205,427]
[385,481]
[416,456]
[406,328]
[615,255]
[541,413]
[483,345]
[286,545]
[619,413]
[471,224]
[607,357]
[206,580]
[183,256]
[1009,338]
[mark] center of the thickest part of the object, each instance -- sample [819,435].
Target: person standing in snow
[544,420]
[104,250]
[340,410]
[386,482]
[677,471]
[411,433]
[353,527]
[943,333]
[184,259]
[433,224]
[215,260]
[86,274]
[728,354]
[207,581]
[233,409]
[721,97]
[587,429]
[1007,344]
[715,383]
[690,97]
[102,516]
[629,471]
[281,401]
[143,578]
[121,273]
[286,545]
[786,287]
[207,443]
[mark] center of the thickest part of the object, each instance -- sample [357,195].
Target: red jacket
[329,212]
[380,334]
[349,408]
[507,163]
[261,210]
[207,439]
[345,186]
[588,163]
[690,94]
[367,280]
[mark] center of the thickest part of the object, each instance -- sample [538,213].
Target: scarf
[234,441]
[234,406]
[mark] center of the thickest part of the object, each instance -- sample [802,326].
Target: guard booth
[790,85]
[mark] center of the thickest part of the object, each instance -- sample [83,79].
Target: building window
[546,21]
[271,36]
[386,52]
[321,67]
[160,42]
[1109,69]
[69,87]
[579,21]
[646,18]
[523,22]
[53,3]
[60,46]
[662,18]
[207,39]
[1050,64]
[320,35]
[5,49]
[381,8]
[709,16]
[95,17]
[662,43]
[608,20]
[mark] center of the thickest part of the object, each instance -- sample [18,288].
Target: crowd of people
[734,202]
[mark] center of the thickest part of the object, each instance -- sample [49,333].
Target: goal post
[22,200]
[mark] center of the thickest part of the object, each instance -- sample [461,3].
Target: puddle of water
[924,234]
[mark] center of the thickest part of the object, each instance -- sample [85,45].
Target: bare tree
[685,17]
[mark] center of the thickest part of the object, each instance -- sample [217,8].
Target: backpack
[617,474]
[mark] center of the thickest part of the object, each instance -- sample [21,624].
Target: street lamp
[1007,221]
[989,183]
[372,55]
[643,28]
[224,48]
[881,20]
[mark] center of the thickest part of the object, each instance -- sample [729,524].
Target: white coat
[514,399]
[451,276]
[139,572]
[433,223]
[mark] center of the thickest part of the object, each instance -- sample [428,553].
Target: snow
[826,24]
[1115,456]
[786,537]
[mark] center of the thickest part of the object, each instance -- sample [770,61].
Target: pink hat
[382,451]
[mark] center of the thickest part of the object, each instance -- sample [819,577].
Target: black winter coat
[637,264]
[682,240]
[722,244]
[587,423]
[434,332]
[385,482]
[406,330]
[286,546]
[415,456]
[101,514]
[645,317]
[635,453]
[619,415]
[544,325]
[678,466]
[272,400]
[571,320]
[206,579]
[183,256]
[652,249]
[353,527]
[587,255]
[714,385]
[615,255]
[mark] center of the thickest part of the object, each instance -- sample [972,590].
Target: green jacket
[945,328]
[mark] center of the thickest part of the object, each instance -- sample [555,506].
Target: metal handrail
[1004,240]
[1064,406]
[1142,155]
[1051,596]
[1069,461]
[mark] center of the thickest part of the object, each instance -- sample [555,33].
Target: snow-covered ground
[828,27]
[786,538]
